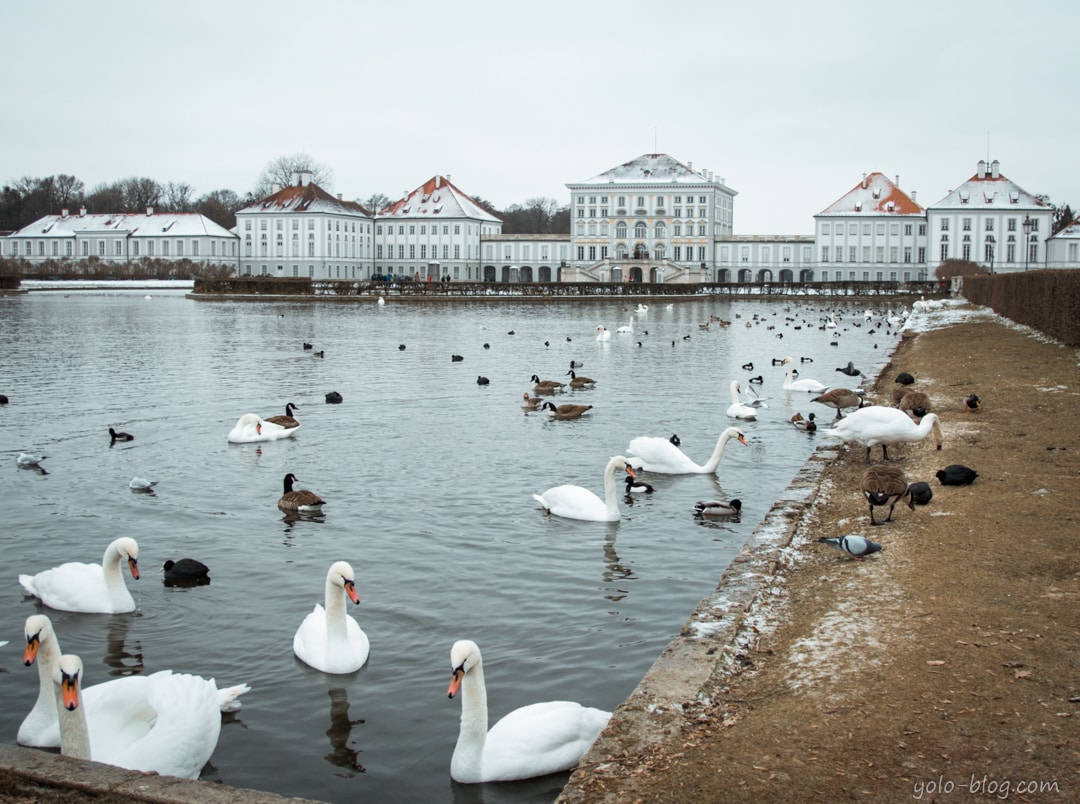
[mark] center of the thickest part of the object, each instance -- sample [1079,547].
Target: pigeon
[921,493]
[853,545]
[956,474]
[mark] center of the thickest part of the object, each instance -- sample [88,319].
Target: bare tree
[69,191]
[375,202]
[138,194]
[281,170]
[220,206]
[106,198]
[178,196]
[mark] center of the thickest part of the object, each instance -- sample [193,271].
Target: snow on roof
[437,198]
[649,168]
[874,195]
[134,224]
[989,189]
[1071,231]
[306,197]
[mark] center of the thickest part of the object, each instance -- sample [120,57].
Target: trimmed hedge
[1047,301]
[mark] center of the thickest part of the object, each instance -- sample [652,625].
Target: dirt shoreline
[944,668]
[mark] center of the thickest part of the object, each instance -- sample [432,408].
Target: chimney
[275,188]
[339,198]
[304,178]
[437,180]
[913,194]
[447,178]
[294,179]
[149,211]
[864,181]
[82,212]
[897,182]
[981,172]
[63,213]
[995,169]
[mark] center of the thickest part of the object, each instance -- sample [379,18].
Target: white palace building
[653,219]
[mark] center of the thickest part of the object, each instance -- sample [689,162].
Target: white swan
[41,726]
[738,409]
[532,741]
[89,588]
[330,640]
[642,309]
[877,424]
[603,334]
[166,722]
[654,454]
[627,328]
[576,502]
[251,427]
[791,384]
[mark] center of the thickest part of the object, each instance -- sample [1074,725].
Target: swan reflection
[614,570]
[340,731]
[120,660]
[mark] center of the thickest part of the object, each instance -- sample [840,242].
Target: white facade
[123,238]
[302,230]
[1063,249]
[874,232]
[764,258]
[653,219]
[983,220]
[432,233]
[524,257]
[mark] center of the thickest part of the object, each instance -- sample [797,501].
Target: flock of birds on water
[170,722]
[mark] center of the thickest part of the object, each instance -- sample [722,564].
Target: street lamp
[1029,224]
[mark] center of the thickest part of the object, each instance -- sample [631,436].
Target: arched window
[620,230]
[641,231]
[592,228]
[660,231]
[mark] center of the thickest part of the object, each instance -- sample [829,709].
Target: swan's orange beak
[742,440]
[350,590]
[32,645]
[630,471]
[258,428]
[133,565]
[455,682]
[69,691]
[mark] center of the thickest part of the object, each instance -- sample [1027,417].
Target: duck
[885,485]
[456,358]
[718,508]
[288,420]
[874,424]
[905,378]
[808,424]
[546,386]
[185,572]
[535,740]
[580,382]
[739,409]
[308,345]
[850,370]
[854,545]
[482,380]
[250,428]
[88,588]
[299,501]
[675,440]
[840,398]
[635,486]
[141,484]
[956,474]
[174,733]
[791,384]
[659,455]
[329,639]
[972,403]
[531,402]
[748,366]
[334,398]
[603,334]
[115,436]
[320,353]
[576,364]
[915,404]
[758,380]
[567,411]
[577,502]
[41,726]
[921,493]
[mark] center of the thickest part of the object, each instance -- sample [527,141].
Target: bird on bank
[915,404]
[718,508]
[115,436]
[885,485]
[300,501]
[876,425]
[855,546]
[840,399]
[921,493]
[567,411]
[288,420]
[904,378]
[972,403]
[956,474]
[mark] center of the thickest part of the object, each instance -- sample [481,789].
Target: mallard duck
[567,411]
[718,508]
[808,424]
[299,500]
[287,420]
[885,485]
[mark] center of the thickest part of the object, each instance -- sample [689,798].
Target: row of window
[139,248]
[894,229]
[988,224]
[837,255]
[677,212]
[641,230]
[412,227]
[423,255]
[621,200]
[279,224]
[989,253]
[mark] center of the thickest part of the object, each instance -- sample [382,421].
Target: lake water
[429,480]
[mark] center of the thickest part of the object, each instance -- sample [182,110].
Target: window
[1010,225]
[907,253]
[894,253]
[641,230]
[660,231]
[457,228]
[677,253]
[907,228]
[989,225]
[866,253]
[825,229]
[701,230]
[851,254]
[944,224]
[966,251]
[965,224]
[457,252]
[247,226]
[879,254]
[164,248]
[944,251]
[118,247]
[262,225]
[592,253]
[824,253]
[101,248]
[55,248]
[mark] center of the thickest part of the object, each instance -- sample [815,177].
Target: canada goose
[287,420]
[882,484]
[115,436]
[546,386]
[580,382]
[717,508]
[840,398]
[567,411]
[531,402]
[915,403]
[299,500]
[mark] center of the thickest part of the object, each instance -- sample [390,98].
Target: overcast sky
[789,102]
